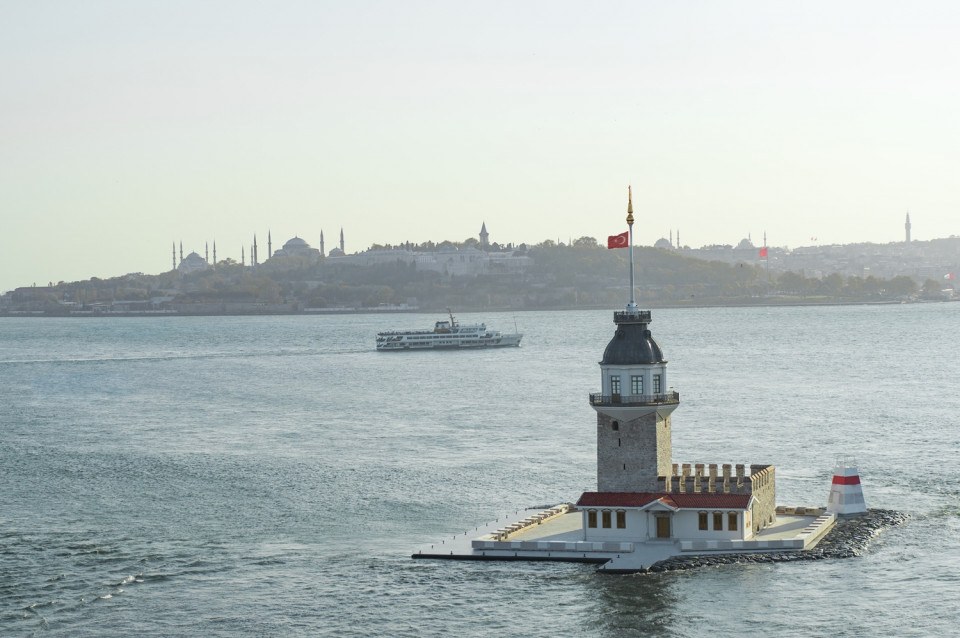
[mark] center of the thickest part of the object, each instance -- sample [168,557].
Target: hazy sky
[128,125]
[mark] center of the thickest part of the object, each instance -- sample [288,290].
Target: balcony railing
[640,316]
[628,400]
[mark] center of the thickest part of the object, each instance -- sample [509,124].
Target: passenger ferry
[447,334]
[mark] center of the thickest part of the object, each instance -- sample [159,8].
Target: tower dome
[632,343]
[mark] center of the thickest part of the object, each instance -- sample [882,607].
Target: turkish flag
[763,252]
[618,241]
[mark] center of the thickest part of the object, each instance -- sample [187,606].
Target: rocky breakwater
[848,538]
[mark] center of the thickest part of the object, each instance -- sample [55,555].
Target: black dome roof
[632,343]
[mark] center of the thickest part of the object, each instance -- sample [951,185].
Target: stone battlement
[696,478]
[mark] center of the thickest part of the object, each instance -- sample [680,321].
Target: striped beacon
[846,494]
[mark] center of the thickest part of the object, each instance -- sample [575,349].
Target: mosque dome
[296,242]
[632,344]
[663,242]
[745,244]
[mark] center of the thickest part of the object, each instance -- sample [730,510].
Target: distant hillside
[582,274]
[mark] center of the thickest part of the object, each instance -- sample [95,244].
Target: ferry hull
[504,341]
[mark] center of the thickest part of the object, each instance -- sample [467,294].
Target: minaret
[269,246]
[181,252]
[253,253]
[174,255]
[214,254]
[206,252]
[907,227]
[341,241]
[484,237]
[243,257]
[322,254]
[634,405]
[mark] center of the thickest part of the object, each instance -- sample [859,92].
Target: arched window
[621,519]
[703,520]
[591,518]
[605,517]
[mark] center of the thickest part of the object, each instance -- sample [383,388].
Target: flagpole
[632,306]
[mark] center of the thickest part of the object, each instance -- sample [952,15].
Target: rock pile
[849,537]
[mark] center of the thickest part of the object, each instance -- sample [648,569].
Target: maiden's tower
[646,508]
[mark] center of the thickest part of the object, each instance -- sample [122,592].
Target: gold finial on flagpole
[629,206]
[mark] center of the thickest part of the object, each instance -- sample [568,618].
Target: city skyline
[126,127]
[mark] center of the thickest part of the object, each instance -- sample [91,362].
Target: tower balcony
[639,316]
[627,406]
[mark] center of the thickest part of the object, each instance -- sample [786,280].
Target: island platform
[557,534]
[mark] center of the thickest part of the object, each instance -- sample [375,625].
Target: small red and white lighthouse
[846,494]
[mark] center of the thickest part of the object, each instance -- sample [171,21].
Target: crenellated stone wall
[700,478]
[763,486]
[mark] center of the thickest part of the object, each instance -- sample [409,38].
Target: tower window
[615,384]
[656,384]
[605,517]
[591,518]
[636,384]
[615,425]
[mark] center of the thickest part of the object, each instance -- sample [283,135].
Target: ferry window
[606,518]
[703,520]
[732,521]
[636,384]
[621,519]
[591,518]
[615,384]
[718,520]
[656,384]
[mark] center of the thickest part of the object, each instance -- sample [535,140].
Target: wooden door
[663,527]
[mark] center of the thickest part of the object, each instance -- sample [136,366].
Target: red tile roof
[703,500]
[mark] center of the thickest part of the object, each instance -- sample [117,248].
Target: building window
[616,425]
[606,519]
[636,385]
[591,518]
[732,521]
[615,384]
[718,520]
[703,521]
[621,519]
[656,384]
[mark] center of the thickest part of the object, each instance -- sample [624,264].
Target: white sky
[127,126]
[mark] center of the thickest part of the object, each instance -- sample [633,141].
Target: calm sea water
[256,476]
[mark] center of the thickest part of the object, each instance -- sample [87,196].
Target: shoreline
[42,314]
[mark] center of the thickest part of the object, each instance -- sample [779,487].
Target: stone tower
[484,237]
[633,409]
[907,227]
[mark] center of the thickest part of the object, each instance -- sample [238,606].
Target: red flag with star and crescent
[618,241]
